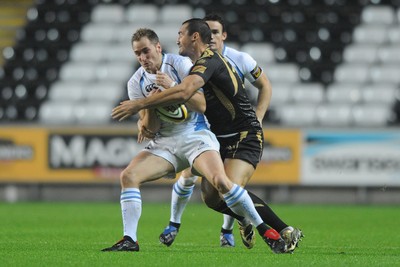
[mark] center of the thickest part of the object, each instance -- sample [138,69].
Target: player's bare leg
[143,168]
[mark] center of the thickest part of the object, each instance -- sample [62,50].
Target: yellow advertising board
[99,155]
[65,155]
[280,162]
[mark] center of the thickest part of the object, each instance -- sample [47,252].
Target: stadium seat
[360,53]
[377,115]
[114,71]
[262,52]
[99,32]
[300,115]
[343,93]
[389,53]
[93,113]
[175,14]
[284,72]
[308,93]
[104,91]
[120,52]
[108,13]
[67,91]
[281,93]
[352,72]
[334,115]
[53,112]
[370,34]
[92,52]
[78,71]
[142,13]
[394,34]
[167,32]
[380,14]
[383,93]
[385,73]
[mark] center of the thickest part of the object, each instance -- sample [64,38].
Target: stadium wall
[298,165]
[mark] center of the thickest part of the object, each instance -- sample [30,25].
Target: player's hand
[125,109]
[164,80]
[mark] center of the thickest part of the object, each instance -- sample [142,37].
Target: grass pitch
[72,234]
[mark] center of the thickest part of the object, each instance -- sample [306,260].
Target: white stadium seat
[99,32]
[93,52]
[394,34]
[93,113]
[115,71]
[372,115]
[78,71]
[300,115]
[142,13]
[378,15]
[385,73]
[385,93]
[175,14]
[334,115]
[352,72]
[389,53]
[308,93]
[263,53]
[57,112]
[281,93]
[108,13]
[370,34]
[360,53]
[282,72]
[67,91]
[343,93]
[104,91]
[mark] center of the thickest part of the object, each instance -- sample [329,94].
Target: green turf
[72,234]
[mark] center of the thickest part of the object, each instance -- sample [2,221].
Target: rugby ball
[173,113]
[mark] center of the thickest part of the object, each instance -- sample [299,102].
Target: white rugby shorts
[181,150]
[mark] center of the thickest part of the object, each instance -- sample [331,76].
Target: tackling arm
[175,95]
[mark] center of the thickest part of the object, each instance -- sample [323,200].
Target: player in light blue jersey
[239,171]
[176,146]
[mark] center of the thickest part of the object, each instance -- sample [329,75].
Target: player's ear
[224,36]
[158,47]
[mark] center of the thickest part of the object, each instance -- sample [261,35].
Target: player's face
[184,41]
[148,54]
[217,35]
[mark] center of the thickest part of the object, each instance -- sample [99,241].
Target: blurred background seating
[331,62]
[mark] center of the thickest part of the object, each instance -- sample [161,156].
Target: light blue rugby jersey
[142,83]
[244,64]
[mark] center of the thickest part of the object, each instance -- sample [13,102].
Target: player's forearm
[264,96]
[197,103]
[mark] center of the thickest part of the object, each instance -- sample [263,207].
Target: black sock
[176,225]
[225,231]
[267,214]
[262,228]
[223,208]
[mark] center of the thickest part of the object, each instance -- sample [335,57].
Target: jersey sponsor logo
[151,87]
[199,69]
[256,72]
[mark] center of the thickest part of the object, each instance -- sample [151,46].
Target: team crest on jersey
[207,53]
[199,69]
[256,72]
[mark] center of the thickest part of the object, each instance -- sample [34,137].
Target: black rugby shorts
[247,146]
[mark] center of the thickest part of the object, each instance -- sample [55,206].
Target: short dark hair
[145,32]
[216,17]
[200,26]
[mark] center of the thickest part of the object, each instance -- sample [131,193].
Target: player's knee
[187,181]
[127,178]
